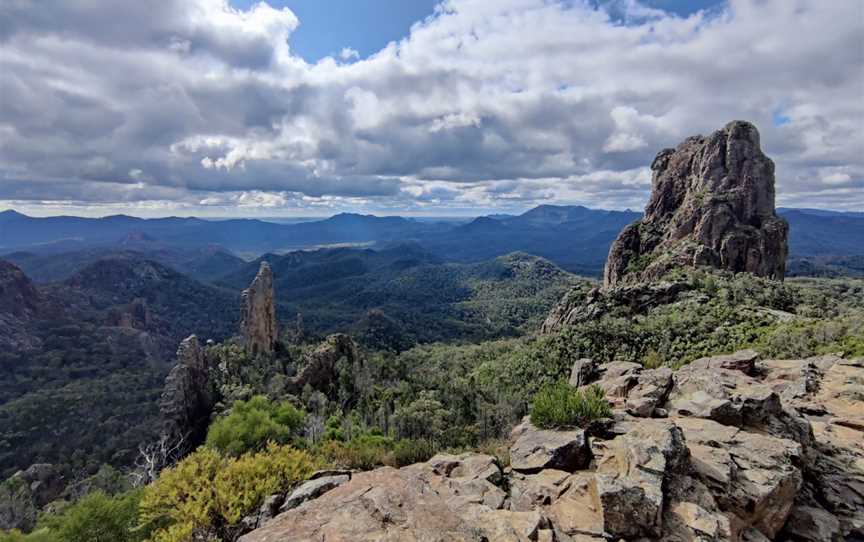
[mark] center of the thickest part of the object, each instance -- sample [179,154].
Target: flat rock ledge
[727,448]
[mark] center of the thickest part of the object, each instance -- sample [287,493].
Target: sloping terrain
[96,348]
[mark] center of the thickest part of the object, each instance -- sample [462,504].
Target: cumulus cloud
[193,104]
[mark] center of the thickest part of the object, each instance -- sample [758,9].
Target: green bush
[39,535]
[96,518]
[205,495]
[364,452]
[561,405]
[253,423]
[408,452]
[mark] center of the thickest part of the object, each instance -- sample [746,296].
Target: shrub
[39,535]
[561,405]
[362,453]
[96,518]
[253,423]
[207,494]
[408,452]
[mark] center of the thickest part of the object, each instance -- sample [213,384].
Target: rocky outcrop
[635,298]
[535,449]
[188,396]
[779,458]
[712,203]
[258,327]
[20,302]
[25,493]
[321,367]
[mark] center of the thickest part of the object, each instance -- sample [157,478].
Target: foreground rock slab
[749,474]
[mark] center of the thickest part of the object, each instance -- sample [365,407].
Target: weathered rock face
[258,326]
[187,399]
[535,449]
[24,494]
[755,473]
[712,203]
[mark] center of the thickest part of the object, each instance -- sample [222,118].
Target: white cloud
[348,54]
[488,103]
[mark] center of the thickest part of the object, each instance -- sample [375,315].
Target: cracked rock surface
[727,448]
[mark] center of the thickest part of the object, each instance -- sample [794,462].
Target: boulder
[312,489]
[258,327]
[812,524]
[733,398]
[630,478]
[582,372]
[531,491]
[744,361]
[537,449]
[649,393]
[712,204]
[755,477]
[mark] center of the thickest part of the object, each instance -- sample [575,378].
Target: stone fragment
[743,360]
[312,489]
[537,449]
[650,391]
[582,372]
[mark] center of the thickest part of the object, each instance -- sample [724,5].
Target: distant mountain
[18,231]
[574,237]
[824,233]
[204,264]
[821,212]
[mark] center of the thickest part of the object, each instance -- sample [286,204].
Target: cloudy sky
[218,108]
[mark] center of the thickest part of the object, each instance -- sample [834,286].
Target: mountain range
[574,237]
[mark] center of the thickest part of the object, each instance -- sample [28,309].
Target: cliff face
[258,322]
[712,203]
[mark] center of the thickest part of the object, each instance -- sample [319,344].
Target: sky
[413,107]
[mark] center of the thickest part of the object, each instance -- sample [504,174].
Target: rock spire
[712,203]
[258,321]
[187,399]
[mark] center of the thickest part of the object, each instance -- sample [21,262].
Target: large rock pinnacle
[187,398]
[258,322]
[712,203]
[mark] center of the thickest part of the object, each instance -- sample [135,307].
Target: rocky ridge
[727,448]
[712,203]
[258,326]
